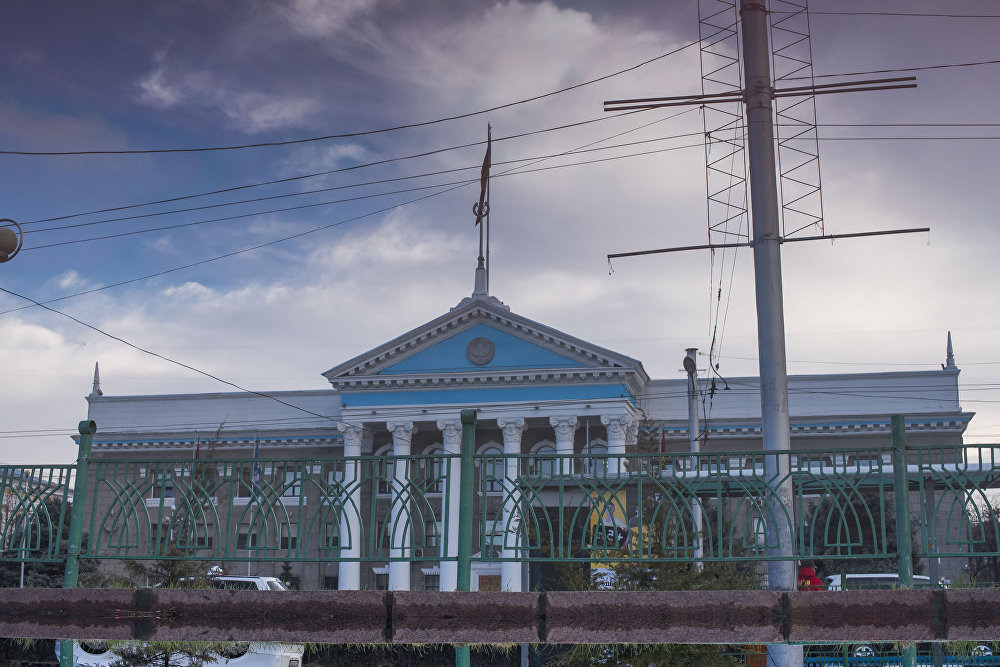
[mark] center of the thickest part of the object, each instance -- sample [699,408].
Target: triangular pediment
[477,340]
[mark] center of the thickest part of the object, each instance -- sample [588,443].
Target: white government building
[538,390]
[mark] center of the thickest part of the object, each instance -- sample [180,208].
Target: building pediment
[480,342]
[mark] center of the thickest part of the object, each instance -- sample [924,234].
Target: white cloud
[173,82]
[69,280]
[323,18]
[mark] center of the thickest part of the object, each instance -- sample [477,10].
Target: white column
[400,531]
[350,518]
[510,571]
[565,428]
[451,437]
[620,430]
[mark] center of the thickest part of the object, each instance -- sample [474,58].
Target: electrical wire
[303,193]
[921,68]
[911,14]
[329,172]
[345,135]
[166,358]
[456,185]
[258,246]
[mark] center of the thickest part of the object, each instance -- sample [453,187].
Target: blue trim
[510,352]
[465,397]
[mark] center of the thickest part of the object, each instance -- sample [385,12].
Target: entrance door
[489,582]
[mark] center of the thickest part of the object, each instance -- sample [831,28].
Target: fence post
[463,657]
[901,494]
[87,430]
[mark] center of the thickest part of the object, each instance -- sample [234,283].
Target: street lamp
[10,241]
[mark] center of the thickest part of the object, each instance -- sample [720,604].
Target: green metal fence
[551,507]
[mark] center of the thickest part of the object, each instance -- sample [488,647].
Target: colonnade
[621,431]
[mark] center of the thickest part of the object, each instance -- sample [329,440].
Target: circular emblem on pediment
[480,351]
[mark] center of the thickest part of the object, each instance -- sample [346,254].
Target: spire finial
[96,391]
[480,286]
[949,361]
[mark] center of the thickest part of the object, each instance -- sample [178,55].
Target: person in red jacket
[808,581]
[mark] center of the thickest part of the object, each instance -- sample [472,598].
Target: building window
[331,583]
[382,536]
[287,541]
[543,463]
[384,468]
[335,478]
[598,467]
[332,535]
[381,581]
[433,534]
[759,536]
[432,582]
[493,534]
[494,469]
[241,541]
[436,472]
[293,484]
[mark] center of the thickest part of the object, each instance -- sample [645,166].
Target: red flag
[483,207]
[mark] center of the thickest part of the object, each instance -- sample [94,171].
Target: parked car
[875,581]
[248,583]
[239,654]
[227,581]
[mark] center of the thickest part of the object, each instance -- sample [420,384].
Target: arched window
[597,466]
[383,471]
[543,459]
[493,468]
[435,470]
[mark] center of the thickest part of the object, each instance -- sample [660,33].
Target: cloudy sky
[375,245]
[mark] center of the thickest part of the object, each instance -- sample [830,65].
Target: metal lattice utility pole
[770,311]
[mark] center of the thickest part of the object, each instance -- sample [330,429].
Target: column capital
[354,434]
[566,424]
[402,432]
[451,434]
[618,425]
[512,427]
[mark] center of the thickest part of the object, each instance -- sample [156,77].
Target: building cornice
[941,424]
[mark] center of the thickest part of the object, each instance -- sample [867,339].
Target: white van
[240,654]
[877,581]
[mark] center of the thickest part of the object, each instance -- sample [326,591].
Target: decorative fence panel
[544,508]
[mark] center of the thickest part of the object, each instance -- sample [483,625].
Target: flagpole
[487,237]
[481,211]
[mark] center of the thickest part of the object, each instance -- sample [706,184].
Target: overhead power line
[166,358]
[892,70]
[328,172]
[910,14]
[450,187]
[346,135]
[303,193]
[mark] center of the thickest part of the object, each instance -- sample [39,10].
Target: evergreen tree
[288,577]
